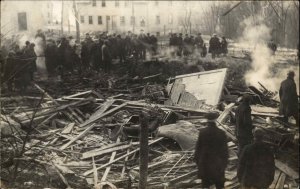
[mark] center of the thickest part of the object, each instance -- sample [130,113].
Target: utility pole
[76,21]
[62,17]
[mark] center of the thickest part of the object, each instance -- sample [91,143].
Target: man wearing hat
[256,166]
[211,154]
[214,46]
[244,127]
[289,98]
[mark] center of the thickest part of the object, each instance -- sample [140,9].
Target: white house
[24,17]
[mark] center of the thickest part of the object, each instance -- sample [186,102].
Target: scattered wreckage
[91,139]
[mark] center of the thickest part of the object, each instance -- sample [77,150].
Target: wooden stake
[143,152]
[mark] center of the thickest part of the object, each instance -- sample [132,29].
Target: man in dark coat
[256,166]
[106,57]
[214,46]
[179,43]
[244,127]
[199,43]
[121,45]
[211,154]
[51,57]
[289,98]
[84,56]
[272,46]
[224,45]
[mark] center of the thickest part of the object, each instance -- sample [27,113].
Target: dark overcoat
[256,166]
[211,153]
[288,98]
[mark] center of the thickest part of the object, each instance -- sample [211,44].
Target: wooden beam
[102,115]
[119,158]
[83,133]
[286,169]
[113,155]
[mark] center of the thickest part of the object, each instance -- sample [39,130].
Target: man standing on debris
[256,166]
[211,154]
[289,98]
[244,127]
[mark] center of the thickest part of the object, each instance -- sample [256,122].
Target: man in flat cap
[244,127]
[256,166]
[211,154]
[289,98]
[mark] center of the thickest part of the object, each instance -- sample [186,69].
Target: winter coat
[214,45]
[288,97]
[256,166]
[244,125]
[211,153]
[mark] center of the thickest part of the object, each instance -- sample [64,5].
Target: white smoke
[256,35]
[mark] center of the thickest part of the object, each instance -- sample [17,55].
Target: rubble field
[82,130]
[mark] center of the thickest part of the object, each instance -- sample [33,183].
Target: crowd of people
[188,45]
[97,53]
[66,54]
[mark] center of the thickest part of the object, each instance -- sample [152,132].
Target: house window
[22,21]
[122,20]
[117,3]
[94,3]
[90,19]
[81,19]
[157,20]
[103,3]
[99,20]
[132,20]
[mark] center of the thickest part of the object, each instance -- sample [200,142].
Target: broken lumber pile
[90,138]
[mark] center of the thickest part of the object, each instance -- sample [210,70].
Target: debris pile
[84,132]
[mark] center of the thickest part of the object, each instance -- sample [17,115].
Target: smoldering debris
[84,131]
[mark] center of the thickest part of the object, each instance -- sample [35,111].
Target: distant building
[24,17]
[127,15]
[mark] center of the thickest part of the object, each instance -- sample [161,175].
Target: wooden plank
[126,159]
[106,151]
[119,158]
[276,177]
[83,133]
[95,173]
[286,169]
[68,128]
[69,115]
[113,155]
[225,113]
[102,115]
[183,177]
[103,108]
[75,95]
[281,181]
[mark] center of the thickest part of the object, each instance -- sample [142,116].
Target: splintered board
[196,89]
